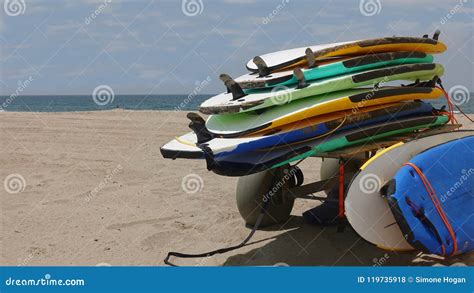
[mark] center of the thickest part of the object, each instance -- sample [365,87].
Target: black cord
[221,250]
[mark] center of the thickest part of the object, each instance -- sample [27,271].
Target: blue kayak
[440,221]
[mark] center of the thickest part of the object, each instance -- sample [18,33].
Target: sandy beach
[97,192]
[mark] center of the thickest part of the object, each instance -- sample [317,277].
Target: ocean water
[67,103]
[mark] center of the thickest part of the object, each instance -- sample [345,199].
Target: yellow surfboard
[300,57]
[248,123]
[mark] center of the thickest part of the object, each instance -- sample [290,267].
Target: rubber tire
[250,194]
[330,168]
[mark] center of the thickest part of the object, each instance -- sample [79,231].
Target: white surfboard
[286,58]
[367,210]
[185,146]
[276,58]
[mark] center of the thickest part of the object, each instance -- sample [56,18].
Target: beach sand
[98,192]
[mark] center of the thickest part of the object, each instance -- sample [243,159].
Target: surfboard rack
[298,73]
[262,67]
[232,87]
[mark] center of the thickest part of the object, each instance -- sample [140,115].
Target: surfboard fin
[300,77]
[429,83]
[198,125]
[310,57]
[263,69]
[436,34]
[232,87]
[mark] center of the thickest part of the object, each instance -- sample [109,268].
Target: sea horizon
[156,102]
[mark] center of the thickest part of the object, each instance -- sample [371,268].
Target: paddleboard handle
[298,73]
[232,87]
[310,57]
[263,69]
[198,125]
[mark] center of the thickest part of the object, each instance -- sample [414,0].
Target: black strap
[420,215]
[221,250]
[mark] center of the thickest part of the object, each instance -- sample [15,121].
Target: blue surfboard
[449,168]
[175,149]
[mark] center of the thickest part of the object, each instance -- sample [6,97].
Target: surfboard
[441,222]
[252,123]
[277,156]
[366,209]
[188,146]
[299,56]
[225,102]
[356,64]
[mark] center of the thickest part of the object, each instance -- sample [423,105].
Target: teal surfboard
[231,102]
[253,81]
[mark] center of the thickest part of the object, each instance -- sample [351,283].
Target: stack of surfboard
[300,102]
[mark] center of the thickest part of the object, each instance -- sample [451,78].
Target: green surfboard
[348,140]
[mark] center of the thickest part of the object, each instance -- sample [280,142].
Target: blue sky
[160,47]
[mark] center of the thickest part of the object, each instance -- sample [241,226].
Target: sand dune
[97,191]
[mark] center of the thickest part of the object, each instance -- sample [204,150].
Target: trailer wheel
[253,190]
